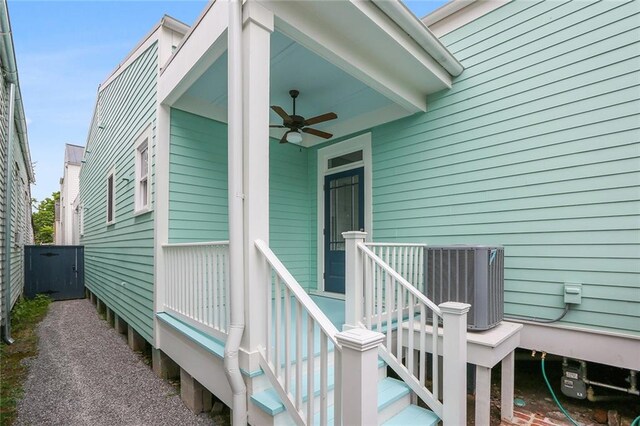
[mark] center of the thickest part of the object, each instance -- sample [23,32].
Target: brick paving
[526,418]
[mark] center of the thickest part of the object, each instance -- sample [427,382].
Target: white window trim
[112,173]
[361,142]
[145,137]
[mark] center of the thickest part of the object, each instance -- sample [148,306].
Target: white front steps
[393,405]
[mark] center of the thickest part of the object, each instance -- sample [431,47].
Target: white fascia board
[614,349]
[206,42]
[459,13]
[309,31]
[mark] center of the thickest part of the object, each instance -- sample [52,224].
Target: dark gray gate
[57,271]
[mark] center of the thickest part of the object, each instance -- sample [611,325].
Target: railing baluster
[310,369]
[411,330]
[298,337]
[269,324]
[278,303]
[323,379]
[389,301]
[399,311]
[337,392]
[380,300]
[423,345]
[287,340]
[434,357]
[368,291]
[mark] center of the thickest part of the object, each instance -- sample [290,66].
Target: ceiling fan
[296,123]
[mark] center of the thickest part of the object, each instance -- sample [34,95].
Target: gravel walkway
[85,374]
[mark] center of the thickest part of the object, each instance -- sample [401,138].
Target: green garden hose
[636,422]
[544,374]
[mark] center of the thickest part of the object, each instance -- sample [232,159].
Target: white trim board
[361,142]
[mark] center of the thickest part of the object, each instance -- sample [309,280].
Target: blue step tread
[413,416]
[212,345]
[389,391]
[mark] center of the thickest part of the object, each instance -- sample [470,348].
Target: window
[142,189]
[111,197]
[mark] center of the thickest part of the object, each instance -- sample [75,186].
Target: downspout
[236,216]
[7,219]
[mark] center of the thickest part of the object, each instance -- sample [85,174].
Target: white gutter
[8,61]
[236,216]
[417,30]
[7,219]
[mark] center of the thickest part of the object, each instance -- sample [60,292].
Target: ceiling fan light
[294,136]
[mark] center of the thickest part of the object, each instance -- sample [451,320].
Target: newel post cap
[359,339]
[454,308]
[350,235]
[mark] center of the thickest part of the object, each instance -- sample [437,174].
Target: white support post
[353,278]
[258,24]
[359,375]
[507,380]
[454,354]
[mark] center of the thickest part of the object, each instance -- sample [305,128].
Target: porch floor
[332,308]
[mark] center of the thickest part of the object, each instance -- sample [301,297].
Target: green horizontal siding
[198,197]
[535,147]
[119,258]
[198,209]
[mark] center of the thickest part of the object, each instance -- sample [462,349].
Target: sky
[65,49]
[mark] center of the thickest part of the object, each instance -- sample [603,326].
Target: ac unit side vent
[468,274]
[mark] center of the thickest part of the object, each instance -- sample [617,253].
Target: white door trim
[361,142]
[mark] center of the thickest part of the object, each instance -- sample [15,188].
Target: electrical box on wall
[573,293]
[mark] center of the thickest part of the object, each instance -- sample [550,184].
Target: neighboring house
[517,127]
[16,176]
[69,189]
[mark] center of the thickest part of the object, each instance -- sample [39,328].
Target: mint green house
[504,123]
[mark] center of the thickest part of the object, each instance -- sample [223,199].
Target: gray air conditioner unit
[469,274]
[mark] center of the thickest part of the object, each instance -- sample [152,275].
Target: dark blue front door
[343,211]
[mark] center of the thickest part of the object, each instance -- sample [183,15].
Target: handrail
[389,301]
[293,322]
[406,284]
[379,244]
[314,311]
[196,244]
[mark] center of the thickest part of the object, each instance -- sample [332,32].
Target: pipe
[631,390]
[8,179]
[421,34]
[236,216]
[592,397]
[538,320]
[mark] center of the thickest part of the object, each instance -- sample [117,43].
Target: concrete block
[86,293]
[110,315]
[119,324]
[135,340]
[93,298]
[195,396]
[101,307]
[163,366]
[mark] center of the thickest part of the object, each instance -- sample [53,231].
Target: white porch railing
[301,341]
[197,284]
[379,298]
[407,259]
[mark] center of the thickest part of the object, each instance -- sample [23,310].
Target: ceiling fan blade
[282,113]
[317,132]
[320,118]
[279,126]
[284,137]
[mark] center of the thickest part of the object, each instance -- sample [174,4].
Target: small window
[142,190]
[343,160]
[111,197]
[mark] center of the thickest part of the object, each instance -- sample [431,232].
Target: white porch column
[359,375]
[454,355]
[353,278]
[256,35]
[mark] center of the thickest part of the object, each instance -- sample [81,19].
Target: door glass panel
[343,209]
[352,157]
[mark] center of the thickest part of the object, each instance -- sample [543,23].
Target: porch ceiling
[323,87]
[346,57]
